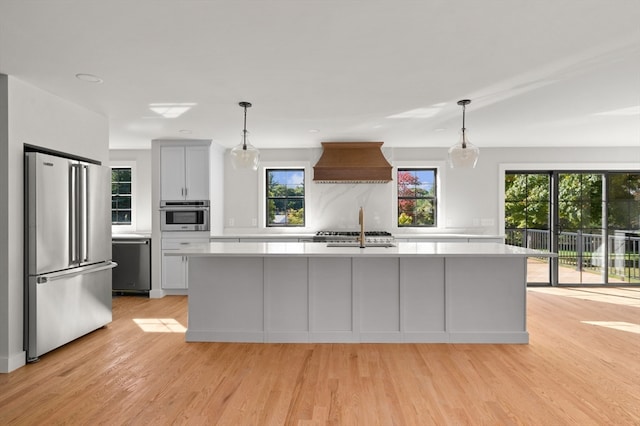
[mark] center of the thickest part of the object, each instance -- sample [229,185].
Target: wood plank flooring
[571,373]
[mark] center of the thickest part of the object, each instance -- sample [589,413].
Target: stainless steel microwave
[184,215]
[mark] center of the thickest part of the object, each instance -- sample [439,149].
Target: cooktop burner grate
[331,236]
[353,233]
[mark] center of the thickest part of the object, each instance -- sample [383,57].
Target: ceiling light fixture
[245,155]
[464,154]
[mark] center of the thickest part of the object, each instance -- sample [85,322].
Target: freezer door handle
[133,242]
[43,279]
[84,215]
[73,214]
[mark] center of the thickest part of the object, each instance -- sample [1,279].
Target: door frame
[554,169]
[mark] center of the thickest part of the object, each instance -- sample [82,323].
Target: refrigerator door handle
[84,215]
[133,242]
[45,278]
[73,214]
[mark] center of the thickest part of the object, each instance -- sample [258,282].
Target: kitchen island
[309,292]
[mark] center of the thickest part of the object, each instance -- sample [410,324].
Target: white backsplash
[336,206]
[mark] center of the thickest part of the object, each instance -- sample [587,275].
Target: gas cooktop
[333,236]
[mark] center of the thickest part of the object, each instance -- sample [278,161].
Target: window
[121,212]
[285,197]
[417,199]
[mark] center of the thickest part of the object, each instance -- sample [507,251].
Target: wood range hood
[352,162]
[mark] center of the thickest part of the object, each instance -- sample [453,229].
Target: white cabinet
[175,268]
[450,297]
[184,172]
[174,272]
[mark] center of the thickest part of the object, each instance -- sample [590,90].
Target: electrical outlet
[254,222]
[232,221]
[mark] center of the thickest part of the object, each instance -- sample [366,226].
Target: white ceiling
[538,72]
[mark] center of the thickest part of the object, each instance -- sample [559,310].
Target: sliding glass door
[623,223]
[527,222]
[591,219]
[580,230]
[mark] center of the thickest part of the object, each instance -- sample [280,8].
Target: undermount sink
[357,244]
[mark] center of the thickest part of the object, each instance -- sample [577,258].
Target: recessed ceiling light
[185,131]
[89,78]
[314,131]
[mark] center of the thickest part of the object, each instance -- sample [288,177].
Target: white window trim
[262,205]
[119,229]
[441,167]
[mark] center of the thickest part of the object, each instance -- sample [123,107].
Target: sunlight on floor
[159,325]
[616,325]
[628,296]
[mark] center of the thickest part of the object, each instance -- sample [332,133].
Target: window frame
[556,169]
[286,198]
[438,167]
[434,198]
[261,221]
[120,227]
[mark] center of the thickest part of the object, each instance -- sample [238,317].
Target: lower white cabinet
[175,268]
[359,298]
[174,272]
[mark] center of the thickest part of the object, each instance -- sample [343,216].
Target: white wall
[470,200]
[35,117]
[216,187]
[140,160]
[6,300]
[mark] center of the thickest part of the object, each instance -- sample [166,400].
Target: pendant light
[464,154]
[245,155]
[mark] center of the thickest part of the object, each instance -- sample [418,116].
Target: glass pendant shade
[464,154]
[245,155]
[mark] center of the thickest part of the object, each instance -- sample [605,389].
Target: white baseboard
[15,361]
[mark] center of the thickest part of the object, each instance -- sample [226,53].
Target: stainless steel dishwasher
[133,256]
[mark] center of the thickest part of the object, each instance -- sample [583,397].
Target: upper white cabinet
[184,172]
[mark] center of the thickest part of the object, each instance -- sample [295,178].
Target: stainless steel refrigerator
[67,250]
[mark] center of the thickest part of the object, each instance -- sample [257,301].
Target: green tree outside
[580,201]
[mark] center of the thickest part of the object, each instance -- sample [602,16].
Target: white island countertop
[400,249]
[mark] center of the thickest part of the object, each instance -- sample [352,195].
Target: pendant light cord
[464,139]
[244,131]
[244,105]
[464,103]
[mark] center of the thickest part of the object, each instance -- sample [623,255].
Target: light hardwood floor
[571,373]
